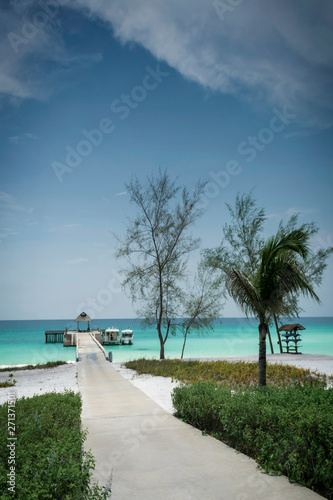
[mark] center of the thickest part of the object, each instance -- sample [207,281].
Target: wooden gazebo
[83,317]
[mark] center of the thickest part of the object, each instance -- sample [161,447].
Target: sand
[160,388]
[40,381]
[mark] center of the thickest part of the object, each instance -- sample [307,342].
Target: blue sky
[236,93]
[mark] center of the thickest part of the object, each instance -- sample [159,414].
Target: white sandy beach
[40,381]
[160,388]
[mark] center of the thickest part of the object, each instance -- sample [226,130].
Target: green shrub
[287,430]
[50,462]
[10,382]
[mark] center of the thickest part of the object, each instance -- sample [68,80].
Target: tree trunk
[185,336]
[270,339]
[160,336]
[262,354]
[278,333]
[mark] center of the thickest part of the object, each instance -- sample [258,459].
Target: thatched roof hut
[292,327]
[83,317]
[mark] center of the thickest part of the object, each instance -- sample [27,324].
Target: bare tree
[156,247]
[202,304]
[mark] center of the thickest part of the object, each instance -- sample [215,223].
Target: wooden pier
[68,337]
[54,336]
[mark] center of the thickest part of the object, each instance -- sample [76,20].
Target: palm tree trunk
[270,339]
[278,333]
[262,354]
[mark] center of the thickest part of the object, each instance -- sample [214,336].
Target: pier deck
[54,336]
[68,337]
[152,455]
[88,350]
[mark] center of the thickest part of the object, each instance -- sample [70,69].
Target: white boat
[111,336]
[127,337]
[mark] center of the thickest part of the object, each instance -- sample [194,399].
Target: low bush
[226,373]
[47,453]
[287,430]
[10,382]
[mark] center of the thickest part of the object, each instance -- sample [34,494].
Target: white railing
[99,345]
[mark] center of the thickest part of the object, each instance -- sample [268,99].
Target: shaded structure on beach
[83,317]
[291,337]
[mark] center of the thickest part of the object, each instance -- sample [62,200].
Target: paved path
[88,349]
[154,456]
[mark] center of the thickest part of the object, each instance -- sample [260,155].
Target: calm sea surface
[24,341]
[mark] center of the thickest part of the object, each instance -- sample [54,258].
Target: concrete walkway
[154,456]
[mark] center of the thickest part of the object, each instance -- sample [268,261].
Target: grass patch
[287,430]
[7,383]
[229,374]
[49,459]
[10,382]
[49,364]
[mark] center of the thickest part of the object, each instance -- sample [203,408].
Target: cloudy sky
[237,93]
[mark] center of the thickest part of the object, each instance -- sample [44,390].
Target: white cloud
[267,52]
[122,193]
[302,211]
[74,262]
[272,216]
[16,139]
[7,201]
[62,228]
[7,231]
[32,38]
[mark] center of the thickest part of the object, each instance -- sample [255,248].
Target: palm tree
[279,275]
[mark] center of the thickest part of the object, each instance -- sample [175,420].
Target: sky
[235,93]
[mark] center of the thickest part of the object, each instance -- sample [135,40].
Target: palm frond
[295,242]
[243,291]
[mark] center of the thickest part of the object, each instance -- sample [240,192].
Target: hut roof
[83,317]
[289,328]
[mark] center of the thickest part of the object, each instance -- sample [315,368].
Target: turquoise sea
[23,342]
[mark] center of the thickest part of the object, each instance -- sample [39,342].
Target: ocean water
[23,342]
